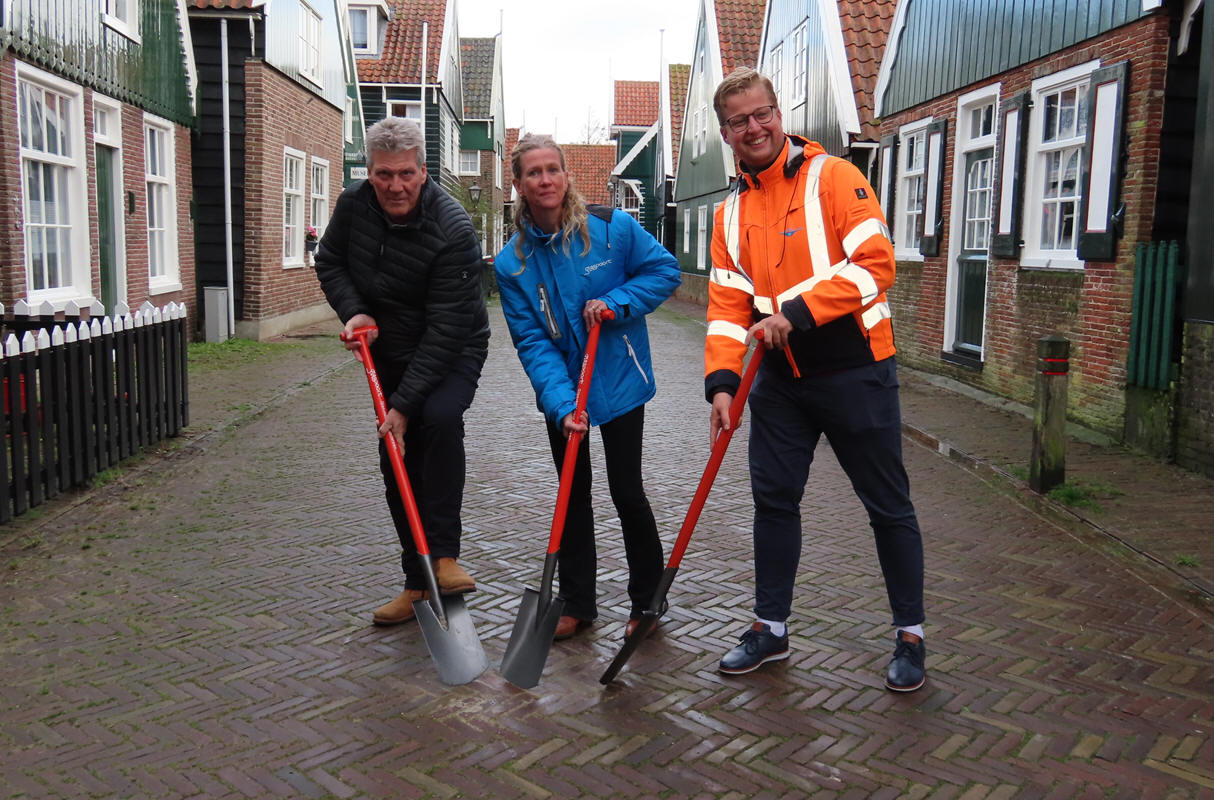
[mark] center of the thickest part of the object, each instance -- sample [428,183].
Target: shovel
[445,622]
[539,612]
[649,617]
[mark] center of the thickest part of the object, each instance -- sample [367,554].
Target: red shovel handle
[717,455]
[575,438]
[398,462]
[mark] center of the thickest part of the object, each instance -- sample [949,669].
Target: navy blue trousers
[577,561]
[858,412]
[435,462]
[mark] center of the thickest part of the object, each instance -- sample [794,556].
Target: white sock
[917,630]
[777,628]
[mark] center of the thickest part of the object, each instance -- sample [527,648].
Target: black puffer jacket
[420,280]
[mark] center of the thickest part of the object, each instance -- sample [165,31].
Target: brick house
[483,140]
[1023,161]
[95,138]
[276,136]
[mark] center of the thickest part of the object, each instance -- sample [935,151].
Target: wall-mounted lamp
[474,191]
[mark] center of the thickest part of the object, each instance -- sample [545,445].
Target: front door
[107,226]
[972,260]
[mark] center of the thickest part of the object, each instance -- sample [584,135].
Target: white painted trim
[840,71]
[889,57]
[1101,156]
[636,149]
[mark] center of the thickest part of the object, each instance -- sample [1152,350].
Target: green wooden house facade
[97,153]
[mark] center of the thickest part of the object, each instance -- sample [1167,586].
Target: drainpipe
[227,174]
[425,52]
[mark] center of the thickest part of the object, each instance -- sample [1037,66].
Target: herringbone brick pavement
[201,630]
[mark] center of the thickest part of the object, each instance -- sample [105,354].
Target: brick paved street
[201,629]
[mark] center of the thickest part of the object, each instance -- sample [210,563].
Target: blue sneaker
[757,646]
[907,670]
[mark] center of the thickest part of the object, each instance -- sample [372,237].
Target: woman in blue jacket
[565,265]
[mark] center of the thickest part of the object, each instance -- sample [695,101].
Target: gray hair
[393,135]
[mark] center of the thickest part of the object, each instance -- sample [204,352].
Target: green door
[107,225]
[972,261]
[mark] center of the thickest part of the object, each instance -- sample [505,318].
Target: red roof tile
[636,103]
[680,74]
[739,25]
[401,60]
[866,25]
[589,168]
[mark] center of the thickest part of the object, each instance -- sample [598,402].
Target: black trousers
[858,411]
[435,462]
[577,561]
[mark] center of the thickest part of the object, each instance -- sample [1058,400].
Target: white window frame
[347,121]
[630,199]
[906,247]
[776,72]
[475,155]
[112,138]
[318,194]
[161,179]
[799,87]
[497,170]
[412,109]
[1033,254]
[967,142]
[310,62]
[74,272]
[687,229]
[453,143]
[293,177]
[123,17]
[702,240]
[372,16]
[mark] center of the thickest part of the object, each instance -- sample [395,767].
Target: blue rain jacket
[542,297]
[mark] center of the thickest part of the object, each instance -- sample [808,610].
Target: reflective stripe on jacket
[806,237]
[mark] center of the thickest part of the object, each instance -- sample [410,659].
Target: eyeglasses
[762,115]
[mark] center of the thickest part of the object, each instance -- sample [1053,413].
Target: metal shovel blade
[456,650]
[531,640]
[649,621]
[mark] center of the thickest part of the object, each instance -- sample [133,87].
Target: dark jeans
[434,461]
[577,562]
[858,411]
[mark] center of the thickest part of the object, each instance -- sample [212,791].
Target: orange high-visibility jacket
[805,236]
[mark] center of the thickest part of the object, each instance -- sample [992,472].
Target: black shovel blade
[455,649]
[531,639]
[649,621]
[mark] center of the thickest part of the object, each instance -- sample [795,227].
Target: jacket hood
[795,152]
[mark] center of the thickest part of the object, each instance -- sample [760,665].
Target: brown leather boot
[451,577]
[401,609]
[567,627]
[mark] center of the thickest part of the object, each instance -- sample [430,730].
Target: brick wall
[134,223]
[1091,307]
[1195,401]
[281,113]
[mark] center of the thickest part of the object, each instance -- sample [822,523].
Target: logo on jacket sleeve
[863,195]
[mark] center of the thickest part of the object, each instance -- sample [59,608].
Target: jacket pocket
[632,353]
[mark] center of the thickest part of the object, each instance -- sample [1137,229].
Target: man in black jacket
[401,254]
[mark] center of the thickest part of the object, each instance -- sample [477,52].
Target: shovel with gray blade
[539,612]
[445,622]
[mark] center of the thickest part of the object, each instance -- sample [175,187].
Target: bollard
[1047,468]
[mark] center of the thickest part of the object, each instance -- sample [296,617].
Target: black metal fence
[83,391]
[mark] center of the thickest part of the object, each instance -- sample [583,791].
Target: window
[497,171]
[702,239]
[347,121]
[687,230]
[359,27]
[159,158]
[798,87]
[366,25]
[978,140]
[122,16]
[309,43]
[1058,127]
[292,208]
[469,162]
[409,109]
[909,193]
[319,187]
[776,70]
[631,201]
[51,134]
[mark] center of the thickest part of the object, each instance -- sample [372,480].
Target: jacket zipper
[554,330]
[635,360]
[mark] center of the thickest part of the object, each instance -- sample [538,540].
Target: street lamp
[474,191]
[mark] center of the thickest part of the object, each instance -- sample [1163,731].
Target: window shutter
[1009,176]
[1103,159]
[888,176]
[933,201]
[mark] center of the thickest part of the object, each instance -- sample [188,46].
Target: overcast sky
[560,57]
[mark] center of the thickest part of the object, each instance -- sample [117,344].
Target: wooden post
[1047,468]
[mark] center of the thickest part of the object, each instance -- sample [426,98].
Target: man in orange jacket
[800,250]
